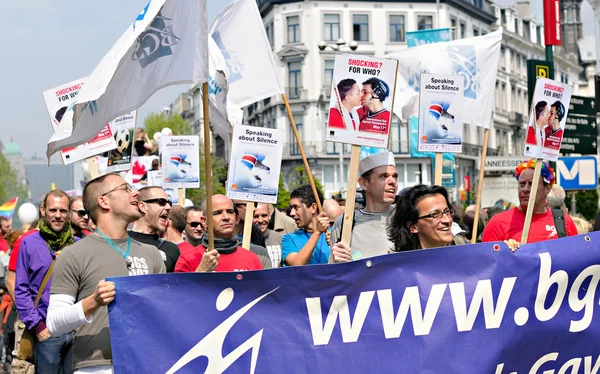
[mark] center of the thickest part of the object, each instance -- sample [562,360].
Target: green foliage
[587,203]
[155,122]
[299,177]
[283,195]
[10,186]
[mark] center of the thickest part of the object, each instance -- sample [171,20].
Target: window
[293,23]
[516,25]
[294,149]
[360,27]
[502,59]
[538,34]
[331,27]
[503,17]
[454,28]
[294,79]
[475,31]
[424,22]
[397,28]
[270,34]
[463,30]
[328,76]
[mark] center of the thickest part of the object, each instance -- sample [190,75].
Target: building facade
[305,37]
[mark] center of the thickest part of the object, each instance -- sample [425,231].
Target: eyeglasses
[128,188]
[438,215]
[195,224]
[240,205]
[160,201]
[82,213]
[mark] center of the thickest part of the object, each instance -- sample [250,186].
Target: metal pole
[550,59]
[573,203]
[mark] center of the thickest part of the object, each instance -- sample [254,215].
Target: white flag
[217,92]
[165,45]
[476,59]
[250,67]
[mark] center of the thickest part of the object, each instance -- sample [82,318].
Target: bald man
[228,254]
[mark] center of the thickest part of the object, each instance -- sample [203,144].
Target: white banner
[181,161]
[256,154]
[441,113]
[58,100]
[123,128]
[475,59]
[165,45]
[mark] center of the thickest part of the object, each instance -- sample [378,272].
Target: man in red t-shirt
[228,255]
[508,226]
[373,115]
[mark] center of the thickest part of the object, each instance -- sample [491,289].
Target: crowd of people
[55,318]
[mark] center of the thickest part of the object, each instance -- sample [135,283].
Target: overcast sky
[48,43]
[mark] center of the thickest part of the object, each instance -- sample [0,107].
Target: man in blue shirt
[308,245]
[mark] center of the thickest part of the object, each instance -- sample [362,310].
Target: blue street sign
[577,173]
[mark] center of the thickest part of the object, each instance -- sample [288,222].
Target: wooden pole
[486,136]
[306,166]
[248,225]
[181,196]
[531,203]
[207,169]
[92,167]
[438,168]
[351,195]
[389,143]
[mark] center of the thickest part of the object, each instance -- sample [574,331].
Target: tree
[299,177]
[155,122]
[283,195]
[587,203]
[10,186]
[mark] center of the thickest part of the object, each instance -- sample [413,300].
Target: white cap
[376,160]
[456,229]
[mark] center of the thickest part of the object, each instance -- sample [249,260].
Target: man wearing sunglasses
[154,206]
[80,294]
[79,218]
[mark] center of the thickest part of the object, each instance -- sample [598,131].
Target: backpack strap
[43,284]
[559,222]
[161,242]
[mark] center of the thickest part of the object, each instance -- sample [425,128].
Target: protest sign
[256,154]
[440,113]
[58,100]
[467,309]
[361,100]
[181,161]
[123,128]
[548,116]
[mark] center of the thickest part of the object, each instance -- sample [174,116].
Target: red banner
[552,29]
[467,183]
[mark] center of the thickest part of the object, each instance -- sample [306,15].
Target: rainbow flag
[8,208]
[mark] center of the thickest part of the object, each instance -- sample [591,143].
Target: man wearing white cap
[379,179]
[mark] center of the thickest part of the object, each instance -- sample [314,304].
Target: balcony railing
[516,118]
[296,93]
[471,149]
[328,149]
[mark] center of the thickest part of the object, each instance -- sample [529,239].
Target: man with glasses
[37,254]
[379,180]
[154,206]
[79,293]
[79,218]
[423,219]
[195,226]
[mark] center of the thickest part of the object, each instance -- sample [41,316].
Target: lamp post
[336,48]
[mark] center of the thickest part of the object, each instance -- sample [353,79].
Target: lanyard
[116,247]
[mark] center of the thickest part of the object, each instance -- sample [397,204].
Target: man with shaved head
[227,255]
[154,206]
[272,238]
[175,225]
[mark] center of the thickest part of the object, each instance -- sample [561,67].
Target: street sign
[502,163]
[537,69]
[577,173]
[582,144]
[585,106]
[582,125]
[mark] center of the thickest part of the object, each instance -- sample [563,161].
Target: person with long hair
[423,219]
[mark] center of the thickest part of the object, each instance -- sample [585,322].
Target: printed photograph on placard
[181,166]
[360,107]
[547,118]
[123,129]
[441,101]
[256,154]
[58,100]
